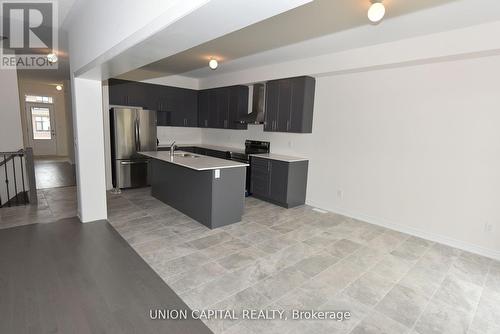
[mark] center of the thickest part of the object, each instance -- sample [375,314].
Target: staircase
[17,178]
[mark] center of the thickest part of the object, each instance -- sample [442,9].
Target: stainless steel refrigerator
[132,130]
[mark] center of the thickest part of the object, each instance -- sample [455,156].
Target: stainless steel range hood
[258,105]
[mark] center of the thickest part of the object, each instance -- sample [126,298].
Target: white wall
[11,135]
[414,148]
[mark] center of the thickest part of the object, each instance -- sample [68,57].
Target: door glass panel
[40,119]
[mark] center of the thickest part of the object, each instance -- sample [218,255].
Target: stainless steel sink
[185,155]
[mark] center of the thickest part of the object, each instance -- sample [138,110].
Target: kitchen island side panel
[228,196]
[184,189]
[214,202]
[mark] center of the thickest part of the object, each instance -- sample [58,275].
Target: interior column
[89,149]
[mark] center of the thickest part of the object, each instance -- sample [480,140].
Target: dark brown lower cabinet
[279,182]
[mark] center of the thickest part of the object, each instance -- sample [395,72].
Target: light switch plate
[217,173]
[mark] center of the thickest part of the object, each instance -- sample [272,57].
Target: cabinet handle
[287,125]
[206,123]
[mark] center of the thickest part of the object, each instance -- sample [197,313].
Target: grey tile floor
[303,259]
[54,173]
[53,204]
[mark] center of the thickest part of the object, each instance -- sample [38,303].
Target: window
[39,99]
[40,119]
[42,123]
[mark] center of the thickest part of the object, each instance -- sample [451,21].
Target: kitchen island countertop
[193,161]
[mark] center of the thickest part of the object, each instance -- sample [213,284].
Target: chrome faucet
[172,149]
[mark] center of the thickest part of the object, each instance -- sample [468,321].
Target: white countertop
[210,147]
[272,156]
[200,162]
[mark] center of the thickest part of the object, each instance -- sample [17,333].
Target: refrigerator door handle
[136,134]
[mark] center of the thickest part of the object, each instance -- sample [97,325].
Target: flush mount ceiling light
[59,87]
[213,64]
[52,58]
[376,12]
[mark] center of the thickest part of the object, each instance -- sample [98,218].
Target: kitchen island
[207,189]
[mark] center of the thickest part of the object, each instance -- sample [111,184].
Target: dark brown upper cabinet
[289,105]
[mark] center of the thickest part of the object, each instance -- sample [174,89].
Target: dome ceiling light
[213,63]
[376,12]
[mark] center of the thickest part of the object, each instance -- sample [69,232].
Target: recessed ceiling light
[376,12]
[52,58]
[213,64]
[59,87]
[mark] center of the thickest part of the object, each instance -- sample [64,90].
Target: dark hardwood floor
[52,174]
[68,277]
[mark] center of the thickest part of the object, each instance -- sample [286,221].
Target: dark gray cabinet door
[190,107]
[118,92]
[284,104]
[290,104]
[203,108]
[175,106]
[223,107]
[302,104]
[272,105]
[260,170]
[238,107]
[278,180]
[213,116]
[128,93]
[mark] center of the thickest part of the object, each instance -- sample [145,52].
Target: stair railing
[17,169]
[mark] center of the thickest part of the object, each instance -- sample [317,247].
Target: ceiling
[316,19]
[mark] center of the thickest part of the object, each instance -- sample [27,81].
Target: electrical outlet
[340,194]
[488,227]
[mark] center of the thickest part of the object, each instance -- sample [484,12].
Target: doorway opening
[52,170]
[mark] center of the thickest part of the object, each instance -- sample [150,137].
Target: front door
[41,128]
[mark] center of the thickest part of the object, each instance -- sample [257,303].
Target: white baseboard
[466,246]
